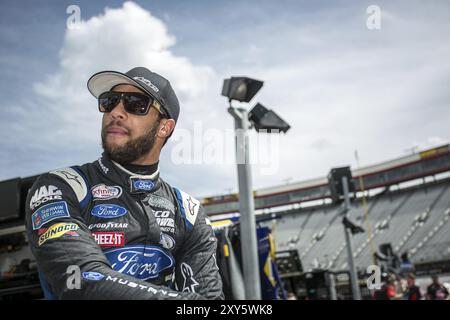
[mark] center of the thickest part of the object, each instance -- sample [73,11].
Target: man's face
[127,137]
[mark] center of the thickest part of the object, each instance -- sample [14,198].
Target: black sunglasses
[133,102]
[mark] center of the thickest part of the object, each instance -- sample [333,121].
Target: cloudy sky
[341,85]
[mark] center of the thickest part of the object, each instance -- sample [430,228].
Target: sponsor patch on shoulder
[189,206]
[58,230]
[48,213]
[75,180]
[45,194]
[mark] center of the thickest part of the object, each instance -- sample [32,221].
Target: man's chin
[114,141]
[113,145]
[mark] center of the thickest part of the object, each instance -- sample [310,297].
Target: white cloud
[118,39]
[60,126]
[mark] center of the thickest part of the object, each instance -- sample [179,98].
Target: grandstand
[413,220]
[407,203]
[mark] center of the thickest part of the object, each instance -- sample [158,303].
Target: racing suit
[99,231]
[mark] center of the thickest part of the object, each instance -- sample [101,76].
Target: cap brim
[106,80]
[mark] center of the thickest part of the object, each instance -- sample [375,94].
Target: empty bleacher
[416,219]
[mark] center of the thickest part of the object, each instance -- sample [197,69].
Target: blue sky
[340,85]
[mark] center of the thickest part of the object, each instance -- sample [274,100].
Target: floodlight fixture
[265,119]
[242,89]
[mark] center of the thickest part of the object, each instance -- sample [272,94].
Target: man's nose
[119,111]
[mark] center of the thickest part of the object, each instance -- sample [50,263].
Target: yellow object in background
[226,251]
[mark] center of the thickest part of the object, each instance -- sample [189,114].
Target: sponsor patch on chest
[165,220]
[139,185]
[159,203]
[108,225]
[109,239]
[108,211]
[104,192]
[139,261]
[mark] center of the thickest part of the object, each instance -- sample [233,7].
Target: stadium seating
[415,219]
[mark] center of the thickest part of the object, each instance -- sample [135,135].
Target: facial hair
[132,149]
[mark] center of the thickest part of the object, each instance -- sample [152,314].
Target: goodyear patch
[58,230]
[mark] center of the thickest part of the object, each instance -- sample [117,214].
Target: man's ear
[166,128]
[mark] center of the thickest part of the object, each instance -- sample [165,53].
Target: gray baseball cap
[150,82]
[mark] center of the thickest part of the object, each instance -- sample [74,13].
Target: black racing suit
[99,231]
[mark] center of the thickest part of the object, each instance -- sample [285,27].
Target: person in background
[388,290]
[413,291]
[436,290]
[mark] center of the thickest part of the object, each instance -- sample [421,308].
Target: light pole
[348,241]
[243,89]
[339,180]
[249,243]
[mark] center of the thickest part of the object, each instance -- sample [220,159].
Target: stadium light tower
[243,89]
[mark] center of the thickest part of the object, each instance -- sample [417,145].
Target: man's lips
[117,131]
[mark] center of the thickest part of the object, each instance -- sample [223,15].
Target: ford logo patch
[139,261]
[145,185]
[108,211]
[93,276]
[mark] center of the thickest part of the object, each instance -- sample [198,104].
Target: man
[413,291]
[388,290]
[130,233]
[436,290]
